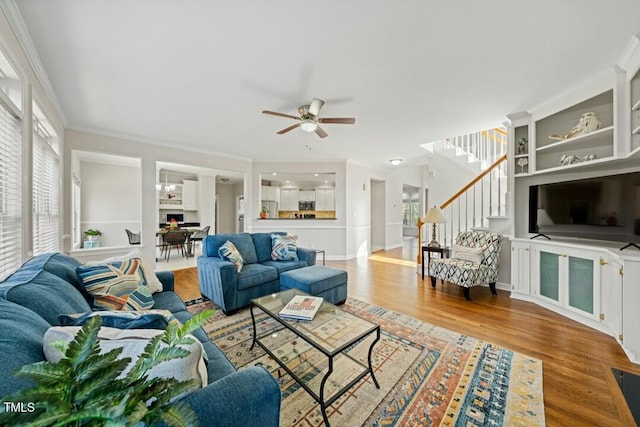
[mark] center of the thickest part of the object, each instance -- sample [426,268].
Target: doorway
[378,215]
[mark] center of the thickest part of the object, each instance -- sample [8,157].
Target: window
[10,172]
[410,210]
[46,178]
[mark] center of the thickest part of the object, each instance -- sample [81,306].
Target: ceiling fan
[309,121]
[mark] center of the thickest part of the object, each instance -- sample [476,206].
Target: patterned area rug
[428,376]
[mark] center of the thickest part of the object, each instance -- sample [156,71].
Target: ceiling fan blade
[273,113]
[321,133]
[338,120]
[285,130]
[316,105]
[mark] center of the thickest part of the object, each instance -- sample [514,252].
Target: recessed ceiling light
[315,174]
[395,162]
[274,174]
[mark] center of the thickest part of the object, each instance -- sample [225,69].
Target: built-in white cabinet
[325,199]
[611,296]
[190,195]
[270,194]
[307,195]
[635,111]
[289,199]
[596,286]
[520,268]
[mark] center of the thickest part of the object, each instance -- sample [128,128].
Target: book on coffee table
[301,307]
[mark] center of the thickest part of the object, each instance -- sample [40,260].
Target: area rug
[428,376]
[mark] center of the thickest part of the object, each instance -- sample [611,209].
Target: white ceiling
[199,73]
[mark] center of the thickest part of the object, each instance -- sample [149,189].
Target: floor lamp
[434,216]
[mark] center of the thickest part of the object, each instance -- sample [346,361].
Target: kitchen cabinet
[325,199]
[289,198]
[190,195]
[307,195]
[270,193]
[520,268]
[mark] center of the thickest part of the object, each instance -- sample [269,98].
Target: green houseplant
[92,234]
[85,388]
[522,145]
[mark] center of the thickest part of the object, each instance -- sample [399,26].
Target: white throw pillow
[133,342]
[153,283]
[467,254]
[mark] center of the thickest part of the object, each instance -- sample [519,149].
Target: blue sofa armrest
[307,255]
[218,280]
[247,398]
[167,280]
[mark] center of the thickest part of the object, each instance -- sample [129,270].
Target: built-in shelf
[636,131]
[583,140]
[636,106]
[517,156]
[574,165]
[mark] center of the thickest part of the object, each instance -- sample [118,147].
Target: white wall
[110,201]
[378,215]
[150,154]
[207,201]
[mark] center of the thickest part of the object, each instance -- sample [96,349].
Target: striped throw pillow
[229,252]
[118,285]
[284,248]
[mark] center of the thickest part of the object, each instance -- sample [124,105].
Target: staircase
[482,199]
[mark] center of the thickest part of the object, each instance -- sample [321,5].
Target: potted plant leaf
[92,235]
[522,145]
[87,387]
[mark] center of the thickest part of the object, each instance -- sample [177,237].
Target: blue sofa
[230,290]
[46,286]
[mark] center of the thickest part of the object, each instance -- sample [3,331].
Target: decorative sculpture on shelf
[588,123]
[522,162]
[569,159]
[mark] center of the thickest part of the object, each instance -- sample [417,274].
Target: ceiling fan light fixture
[308,125]
[395,162]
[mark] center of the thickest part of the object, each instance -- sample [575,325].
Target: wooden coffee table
[328,335]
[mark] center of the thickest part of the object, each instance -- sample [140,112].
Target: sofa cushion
[119,285]
[314,279]
[229,252]
[282,266]
[218,365]
[263,244]
[256,274]
[58,264]
[43,293]
[20,344]
[168,300]
[150,319]
[284,248]
[242,241]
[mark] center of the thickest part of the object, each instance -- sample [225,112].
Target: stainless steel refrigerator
[272,208]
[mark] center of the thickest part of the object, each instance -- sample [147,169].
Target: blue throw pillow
[284,248]
[229,252]
[152,319]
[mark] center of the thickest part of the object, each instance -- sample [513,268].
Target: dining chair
[134,238]
[197,236]
[175,239]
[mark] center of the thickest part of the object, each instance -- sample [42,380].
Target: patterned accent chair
[474,261]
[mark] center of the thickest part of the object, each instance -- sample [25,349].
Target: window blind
[46,176]
[10,192]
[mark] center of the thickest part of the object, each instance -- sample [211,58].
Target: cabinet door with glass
[570,278]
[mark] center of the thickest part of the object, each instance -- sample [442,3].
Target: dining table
[190,231]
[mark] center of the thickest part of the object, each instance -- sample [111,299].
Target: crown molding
[12,12]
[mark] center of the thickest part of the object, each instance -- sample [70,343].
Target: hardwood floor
[579,387]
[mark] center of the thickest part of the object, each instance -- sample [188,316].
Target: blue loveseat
[230,290]
[46,286]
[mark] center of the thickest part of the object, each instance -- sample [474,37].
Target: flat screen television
[603,208]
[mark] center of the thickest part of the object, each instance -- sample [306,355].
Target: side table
[443,251]
[320,251]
